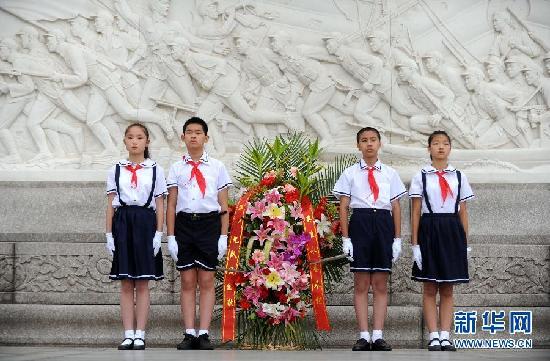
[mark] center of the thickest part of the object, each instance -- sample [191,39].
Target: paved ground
[165,354]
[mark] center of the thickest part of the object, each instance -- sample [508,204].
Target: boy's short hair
[196,120]
[367,129]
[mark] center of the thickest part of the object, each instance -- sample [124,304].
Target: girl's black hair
[146,153]
[196,120]
[438,132]
[367,129]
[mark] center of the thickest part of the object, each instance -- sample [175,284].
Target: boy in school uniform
[197,224]
[373,237]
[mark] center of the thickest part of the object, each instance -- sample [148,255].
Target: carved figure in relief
[51,101]
[105,90]
[514,64]
[497,125]
[436,104]
[19,91]
[157,66]
[214,75]
[377,84]
[311,74]
[448,76]
[510,40]
[262,84]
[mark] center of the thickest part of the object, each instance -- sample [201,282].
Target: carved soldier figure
[436,103]
[509,40]
[308,72]
[19,90]
[214,75]
[264,86]
[377,84]
[497,124]
[448,76]
[106,91]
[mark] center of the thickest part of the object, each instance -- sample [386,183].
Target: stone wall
[54,282]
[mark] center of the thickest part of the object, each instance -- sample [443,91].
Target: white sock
[191,331]
[365,335]
[128,334]
[202,332]
[139,334]
[444,336]
[433,336]
[376,335]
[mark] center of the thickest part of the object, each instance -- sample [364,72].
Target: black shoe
[203,342]
[436,346]
[139,347]
[188,343]
[380,345]
[129,346]
[449,347]
[361,345]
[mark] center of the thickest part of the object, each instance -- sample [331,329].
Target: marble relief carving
[72,80]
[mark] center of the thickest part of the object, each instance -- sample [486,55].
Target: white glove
[173,247]
[347,247]
[222,246]
[156,242]
[396,249]
[110,244]
[468,250]
[417,256]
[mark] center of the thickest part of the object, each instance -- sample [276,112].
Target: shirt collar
[203,159]
[147,163]
[430,169]
[377,165]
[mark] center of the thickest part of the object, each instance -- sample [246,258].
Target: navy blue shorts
[197,235]
[371,232]
[442,242]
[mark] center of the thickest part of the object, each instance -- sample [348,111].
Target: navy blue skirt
[443,246]
[133,230]
[371,232]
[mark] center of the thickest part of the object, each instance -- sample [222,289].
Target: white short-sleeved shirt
[354,183]
[190,198]
[136,196]
[434,191]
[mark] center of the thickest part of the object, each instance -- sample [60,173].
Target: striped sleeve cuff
[111,191]
[398,196]
[470,197]
[415,195]
[341,193]
[170,185]
[226,185]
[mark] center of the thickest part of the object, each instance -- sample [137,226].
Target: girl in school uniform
[135,217]
[439,220]
[373,237]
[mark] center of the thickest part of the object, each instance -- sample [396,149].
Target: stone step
[100,325]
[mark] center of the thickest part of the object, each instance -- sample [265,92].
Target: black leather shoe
[434,345]
[361,345]
[139,347]
[129,346]
[380,345]
[449,347]
[204,343]
[189,342]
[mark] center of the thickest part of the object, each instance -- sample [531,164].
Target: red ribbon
[196,172]
[443,185]
[315,270]
[133,170]
[232,262]
[372,183]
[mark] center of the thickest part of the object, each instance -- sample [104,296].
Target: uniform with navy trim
[135,221]
[371,227]
[198,222]
[441,236]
